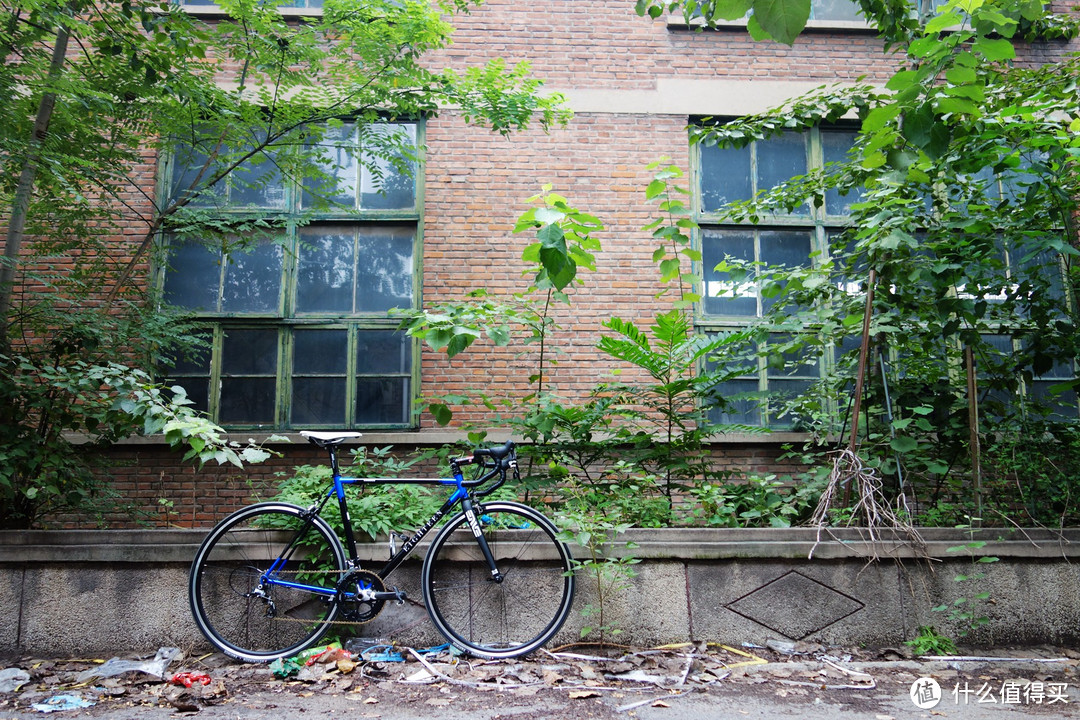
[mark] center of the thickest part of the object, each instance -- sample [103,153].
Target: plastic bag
[117,666]
[12,679]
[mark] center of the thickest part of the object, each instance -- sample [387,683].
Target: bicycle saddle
[324,438]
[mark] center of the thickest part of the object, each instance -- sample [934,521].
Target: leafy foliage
[375,510]
[966,169]
[61,402]
[239,101]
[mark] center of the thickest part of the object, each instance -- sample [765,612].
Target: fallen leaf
[660,703]
[581,694]
[371,701]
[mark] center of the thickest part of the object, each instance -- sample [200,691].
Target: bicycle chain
[336,622]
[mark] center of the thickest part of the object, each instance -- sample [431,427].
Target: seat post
[332,449]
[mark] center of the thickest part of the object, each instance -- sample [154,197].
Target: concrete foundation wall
[77,592]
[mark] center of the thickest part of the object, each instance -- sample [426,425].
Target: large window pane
[341,167]
[382,185]
[249,377]
[318,401]
[723,294]
[191,171]
[835,145]
[191,371]
[383,351]
[193,280]
[320,362]
[327,270]
[738,403]
[725,176]
[258,183]
[368,167]
[783,248]
[384,269]
[779,159]
[382,401]
[843,10]
[253,279]
[349,269]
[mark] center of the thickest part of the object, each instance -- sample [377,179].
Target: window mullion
[351,370]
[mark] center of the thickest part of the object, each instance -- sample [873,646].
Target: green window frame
[796,238]
[299,332]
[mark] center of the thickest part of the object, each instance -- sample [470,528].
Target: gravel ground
[684,683]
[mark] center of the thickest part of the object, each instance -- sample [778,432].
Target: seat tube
[478,534]
[339,490]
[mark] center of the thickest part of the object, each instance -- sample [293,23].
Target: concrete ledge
[99,591]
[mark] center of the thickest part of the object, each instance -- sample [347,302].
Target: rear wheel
[507,618]
[254,584]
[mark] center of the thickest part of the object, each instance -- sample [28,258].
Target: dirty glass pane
[383,351]
[723,294]
[339,161]
[779,159]
[834,147]
[384,276]
[326,270]
[725,176]
[249,352]
[190,172]
[249,401]
[318,401]
[191,371]
[382,401]
[782,362]
[382,185]
[320,360]
[253,279]
[257,183]
[781,391]
[193,276]
[844,10]
[740,403]
[320,352]
[248,376]
[789,248]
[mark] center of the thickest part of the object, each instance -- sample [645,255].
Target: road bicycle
[272,578]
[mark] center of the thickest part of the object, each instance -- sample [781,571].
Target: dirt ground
[679,682]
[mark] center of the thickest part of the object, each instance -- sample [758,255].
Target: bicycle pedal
[395,595]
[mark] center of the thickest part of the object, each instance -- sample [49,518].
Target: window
[300,333]
[735,292]
[793,239]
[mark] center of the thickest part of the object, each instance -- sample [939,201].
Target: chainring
[357,610]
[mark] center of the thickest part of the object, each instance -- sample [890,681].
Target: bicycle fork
[478,534]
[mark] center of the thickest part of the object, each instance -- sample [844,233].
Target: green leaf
[903,444]
[994,49]
[783,20]
[441,412]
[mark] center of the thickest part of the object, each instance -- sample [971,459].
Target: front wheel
[507,618]
[261,585]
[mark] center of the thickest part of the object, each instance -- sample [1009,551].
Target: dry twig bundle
[870,511]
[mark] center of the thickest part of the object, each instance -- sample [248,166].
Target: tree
[98,93]
[966,228]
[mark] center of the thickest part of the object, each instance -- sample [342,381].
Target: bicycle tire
[505,619]
[256,622]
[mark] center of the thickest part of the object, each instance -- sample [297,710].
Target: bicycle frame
[461,495]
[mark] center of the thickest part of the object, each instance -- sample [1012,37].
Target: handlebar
[502,457]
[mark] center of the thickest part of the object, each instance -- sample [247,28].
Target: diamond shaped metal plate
[795,605]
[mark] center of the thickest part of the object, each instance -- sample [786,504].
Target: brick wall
[477,183]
